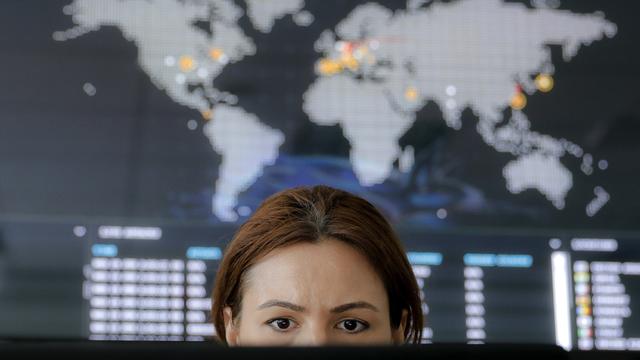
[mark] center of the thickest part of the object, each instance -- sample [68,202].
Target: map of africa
[375,70]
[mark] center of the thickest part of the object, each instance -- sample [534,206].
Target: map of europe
[375,70]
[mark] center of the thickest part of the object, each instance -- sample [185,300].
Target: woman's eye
[281,324]
[352,325]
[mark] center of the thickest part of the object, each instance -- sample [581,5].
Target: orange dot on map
[329,67]
[350,62]
[207,114]
[411,93]
[518,101]
[216,53]
[544,82]
[186,63]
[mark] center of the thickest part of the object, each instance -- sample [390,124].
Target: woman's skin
[313,294]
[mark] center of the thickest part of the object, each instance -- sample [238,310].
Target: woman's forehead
[329,256]
[322,273]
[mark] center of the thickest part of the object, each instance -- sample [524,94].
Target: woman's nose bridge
[315,334]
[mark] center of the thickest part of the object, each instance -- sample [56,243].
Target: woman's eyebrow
[354,305]
[335,310]
[283,304]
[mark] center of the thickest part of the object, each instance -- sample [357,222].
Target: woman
[316,266]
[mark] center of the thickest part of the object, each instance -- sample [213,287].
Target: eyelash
[361,323]
[271,323]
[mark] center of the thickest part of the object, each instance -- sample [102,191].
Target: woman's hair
[308,215]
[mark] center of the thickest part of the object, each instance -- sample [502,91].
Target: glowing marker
[169,61]
[348,47]
[207,114]
[329,67]
[186,63]
[216,53]
[544,82]
[350,62]
[411,93]
[518,100]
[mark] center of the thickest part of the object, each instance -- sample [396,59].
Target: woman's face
[312,294]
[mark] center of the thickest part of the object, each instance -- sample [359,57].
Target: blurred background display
[500,138]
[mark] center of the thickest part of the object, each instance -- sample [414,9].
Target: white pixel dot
[59,36]
[89,89]
[451,90]
[244,210]
[79,231]
[169,61]
[603,164]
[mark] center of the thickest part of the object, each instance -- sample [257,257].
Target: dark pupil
[282,323]
[350,325]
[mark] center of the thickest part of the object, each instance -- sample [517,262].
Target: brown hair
[307,215]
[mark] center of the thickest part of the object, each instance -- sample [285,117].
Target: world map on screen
[374,71]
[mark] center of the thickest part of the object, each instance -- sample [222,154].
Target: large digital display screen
[498,137]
